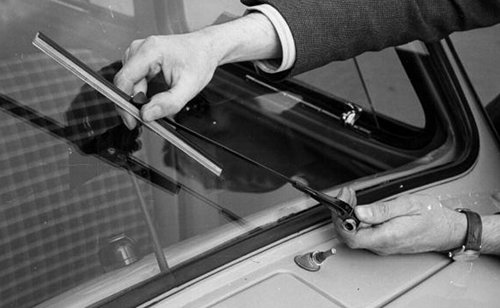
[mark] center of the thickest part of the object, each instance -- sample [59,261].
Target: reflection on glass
[60,204]
[70,211]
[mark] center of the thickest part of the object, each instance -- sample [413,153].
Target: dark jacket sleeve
[328,30]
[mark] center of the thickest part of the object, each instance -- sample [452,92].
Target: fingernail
[152,113]
[364,212]
[140,98]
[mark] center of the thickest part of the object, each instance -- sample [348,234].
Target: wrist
[251,37]
[458,231]
[213,43]
[471,248]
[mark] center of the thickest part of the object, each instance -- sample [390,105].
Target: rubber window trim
[467,139]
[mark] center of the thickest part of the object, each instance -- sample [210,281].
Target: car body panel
[354,278]
[351,278]
[197,237]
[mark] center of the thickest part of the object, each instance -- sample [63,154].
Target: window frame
[455,111]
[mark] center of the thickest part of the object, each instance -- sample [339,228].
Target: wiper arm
[340,208]
[344,211]
[118,97]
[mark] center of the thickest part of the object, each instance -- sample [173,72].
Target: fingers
[379,240]
[186,70]
[408,224]
[132,49]
[138,64]
[348,195]
[128,120]
[380,212]
[167,103]
[141,86]
[132,77]
[142,60]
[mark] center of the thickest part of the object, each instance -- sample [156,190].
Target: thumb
[379,212]
[348,195]
[166,103]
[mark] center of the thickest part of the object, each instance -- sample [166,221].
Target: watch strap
[474,230]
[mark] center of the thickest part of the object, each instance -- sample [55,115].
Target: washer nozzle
[312,261]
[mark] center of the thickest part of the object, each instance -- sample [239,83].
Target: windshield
[86,202]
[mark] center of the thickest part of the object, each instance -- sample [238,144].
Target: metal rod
[349,221]
[365,88]
[158,250]
[228,214]
[145,171]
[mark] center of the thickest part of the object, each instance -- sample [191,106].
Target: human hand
[408,224]
[188,61]
[187,64]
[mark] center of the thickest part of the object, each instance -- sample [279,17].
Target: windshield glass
[85,201]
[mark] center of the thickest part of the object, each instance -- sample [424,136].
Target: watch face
[467,255]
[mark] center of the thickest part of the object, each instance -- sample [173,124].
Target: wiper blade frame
[118,97]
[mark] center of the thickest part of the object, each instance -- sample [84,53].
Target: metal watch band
[474,230]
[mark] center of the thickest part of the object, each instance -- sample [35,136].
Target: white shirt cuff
[286,39]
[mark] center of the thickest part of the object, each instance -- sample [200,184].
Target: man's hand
[188,61]
[408,224]
[187,66]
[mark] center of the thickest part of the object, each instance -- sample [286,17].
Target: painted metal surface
[269,276]
[353,278]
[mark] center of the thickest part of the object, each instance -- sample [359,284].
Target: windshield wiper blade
[344,211]
[128,162]
[120,98]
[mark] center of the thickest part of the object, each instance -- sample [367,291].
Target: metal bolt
[349,225]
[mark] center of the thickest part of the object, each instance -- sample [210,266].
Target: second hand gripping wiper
[341,209]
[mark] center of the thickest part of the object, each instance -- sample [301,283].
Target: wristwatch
[471,249]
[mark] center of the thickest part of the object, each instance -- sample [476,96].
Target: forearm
[491,235]
[325,31]
[251,37]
